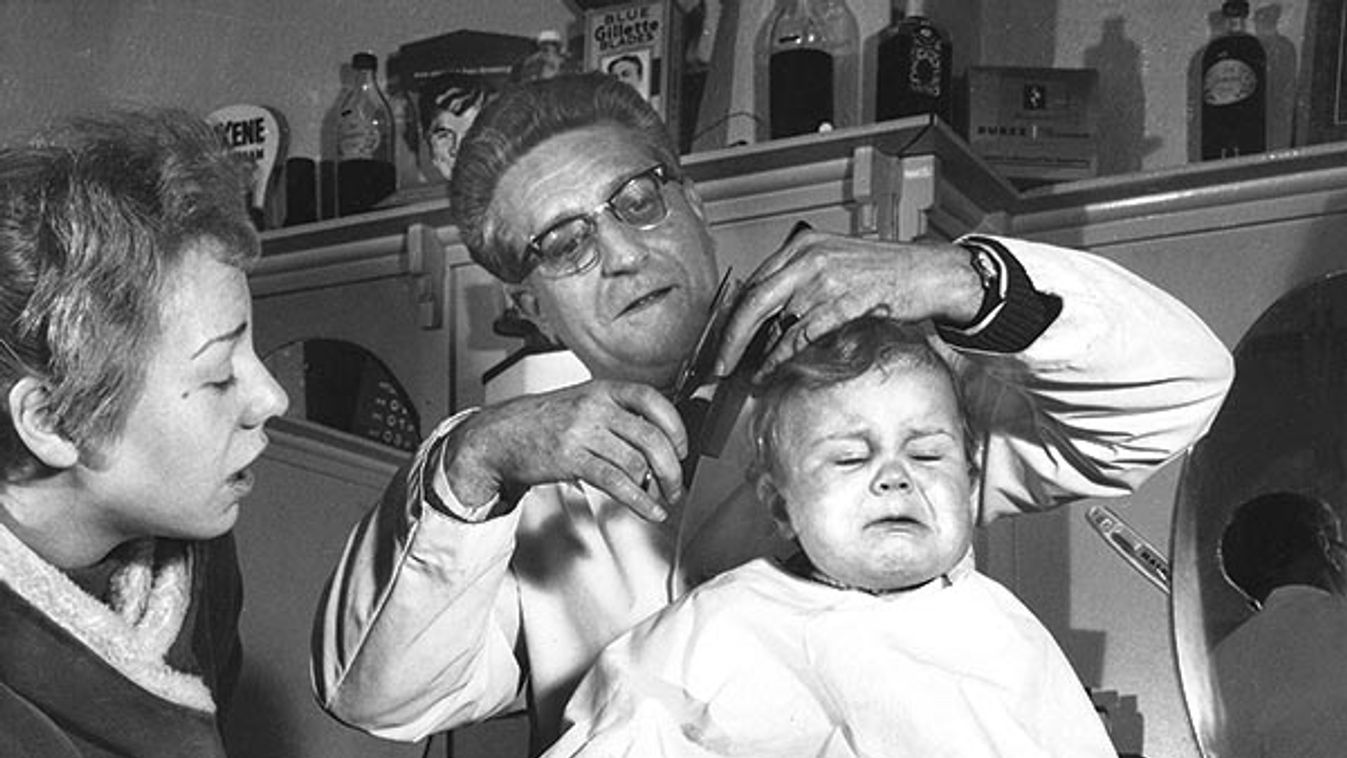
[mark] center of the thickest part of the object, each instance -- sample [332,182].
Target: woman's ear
[770,496]
[30,413]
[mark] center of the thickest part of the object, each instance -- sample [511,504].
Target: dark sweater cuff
[1018,320]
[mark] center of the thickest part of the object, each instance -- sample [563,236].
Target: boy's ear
[975,468]
[30,413]
[771,497]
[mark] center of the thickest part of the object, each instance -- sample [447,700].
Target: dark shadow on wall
[1123,143]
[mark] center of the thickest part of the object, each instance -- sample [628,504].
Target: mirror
[1281,429]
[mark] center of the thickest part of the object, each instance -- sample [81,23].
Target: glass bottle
[366,171]
[1234,89]
[913,63]
[547,61]
[808,68]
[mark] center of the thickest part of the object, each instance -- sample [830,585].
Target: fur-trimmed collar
[148,604]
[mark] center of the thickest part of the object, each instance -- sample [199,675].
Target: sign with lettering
[258,134]
[641,44]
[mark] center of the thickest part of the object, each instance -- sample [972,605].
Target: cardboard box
[640,43]
[438,85]
[1035,125]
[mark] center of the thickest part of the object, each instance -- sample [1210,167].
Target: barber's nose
[620,247]
[891,478]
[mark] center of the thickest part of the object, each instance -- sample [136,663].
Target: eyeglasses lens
[564,249]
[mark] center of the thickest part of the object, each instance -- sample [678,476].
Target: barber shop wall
[59,55]
[63,55]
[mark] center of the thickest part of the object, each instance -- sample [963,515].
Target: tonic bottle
[1234,89]
[808,75]
[913,63]
[366,171]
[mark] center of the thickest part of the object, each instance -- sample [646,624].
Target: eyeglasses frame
[533,257]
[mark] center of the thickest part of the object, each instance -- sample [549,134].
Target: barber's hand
[817,281]
[617,436]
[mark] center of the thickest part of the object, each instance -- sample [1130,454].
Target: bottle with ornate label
[913,63]
[808,68]
[1234,89]
[366,171]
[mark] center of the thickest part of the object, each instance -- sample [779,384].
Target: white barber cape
[762,663]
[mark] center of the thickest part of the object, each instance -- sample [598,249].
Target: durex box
[1035,125]
[639,43]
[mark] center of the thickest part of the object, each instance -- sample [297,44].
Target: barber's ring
[645,480]
[787,320]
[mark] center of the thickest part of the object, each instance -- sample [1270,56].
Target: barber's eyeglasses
[567,247]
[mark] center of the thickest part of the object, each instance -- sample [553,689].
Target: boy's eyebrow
[230,336]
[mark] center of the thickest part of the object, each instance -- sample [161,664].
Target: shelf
[898,138]
[806,159]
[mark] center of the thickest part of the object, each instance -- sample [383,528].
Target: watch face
[986,268]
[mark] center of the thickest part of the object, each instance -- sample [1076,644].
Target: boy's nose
[892,477]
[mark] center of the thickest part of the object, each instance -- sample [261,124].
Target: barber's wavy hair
[518,120]
[851,350]
[95,216]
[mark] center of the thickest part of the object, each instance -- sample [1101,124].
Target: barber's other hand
[609,434]
[819,281]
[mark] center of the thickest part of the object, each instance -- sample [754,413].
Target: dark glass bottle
[366,171]
[1234,89]
[913,63]
[808,63]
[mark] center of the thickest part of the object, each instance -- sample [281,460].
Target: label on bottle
[1228,82]
[923,71]
[357,134]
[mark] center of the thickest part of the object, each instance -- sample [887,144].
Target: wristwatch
[989,273]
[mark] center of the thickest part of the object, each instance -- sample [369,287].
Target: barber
[522,538]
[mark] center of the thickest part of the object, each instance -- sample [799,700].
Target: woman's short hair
[95,215]
[518,120]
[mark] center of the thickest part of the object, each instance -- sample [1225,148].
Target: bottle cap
[365,61]
[549,35]
[1235,8]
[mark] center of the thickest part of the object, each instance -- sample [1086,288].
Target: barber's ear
[694,199]
[30,413]
[771,497]
[524,301]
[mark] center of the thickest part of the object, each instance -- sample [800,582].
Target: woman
[133,403]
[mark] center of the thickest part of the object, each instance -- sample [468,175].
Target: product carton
[1035,125]
[640,43]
